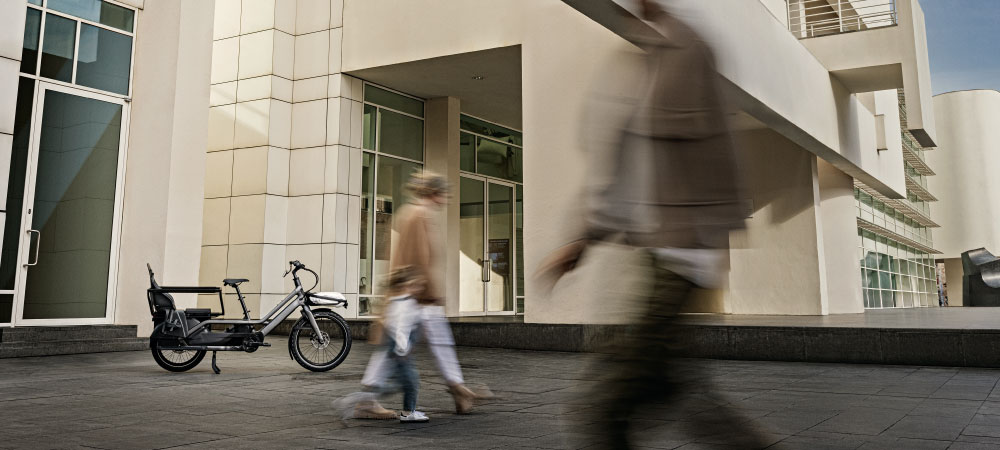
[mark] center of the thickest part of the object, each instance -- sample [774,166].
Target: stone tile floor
[265,400]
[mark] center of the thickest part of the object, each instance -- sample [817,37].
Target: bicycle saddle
[234,281]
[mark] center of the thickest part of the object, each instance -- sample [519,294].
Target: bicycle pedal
[265,344]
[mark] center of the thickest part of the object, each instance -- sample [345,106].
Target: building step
[66,333]
[72,347]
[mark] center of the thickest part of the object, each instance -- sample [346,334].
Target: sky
[963,40]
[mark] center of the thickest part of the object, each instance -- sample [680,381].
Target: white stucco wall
[884,58]
[777,263]
[779,9]
[165,171]
[967,163]
[775,79]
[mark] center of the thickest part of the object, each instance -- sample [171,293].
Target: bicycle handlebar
[296,266]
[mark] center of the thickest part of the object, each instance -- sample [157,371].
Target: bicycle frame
[286,306]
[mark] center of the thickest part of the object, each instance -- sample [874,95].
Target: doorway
[487,254]
[66,227]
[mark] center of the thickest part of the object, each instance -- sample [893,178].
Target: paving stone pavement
[265,400]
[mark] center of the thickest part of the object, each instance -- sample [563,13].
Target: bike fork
[315,326]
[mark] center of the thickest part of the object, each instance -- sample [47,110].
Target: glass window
[871,279]
[35,2]
[520,246]
[104,59]
[368,124]
[29,53]
[74,183]
[15,190]
[883,262]
[393,100]
[401,135]
[494,131]
[467,153]
[96,11]
[367,218]
[390,195]
[498,160]
[888,299]
[57,54]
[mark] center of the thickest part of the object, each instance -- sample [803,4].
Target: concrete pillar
[441,155]
[164,178]
[777,262]
[838,211]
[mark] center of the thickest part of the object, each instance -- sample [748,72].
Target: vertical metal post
[840,14]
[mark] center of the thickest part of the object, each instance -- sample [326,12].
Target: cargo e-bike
[319,341]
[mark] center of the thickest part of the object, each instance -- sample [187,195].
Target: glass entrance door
[70,218]
[487,247]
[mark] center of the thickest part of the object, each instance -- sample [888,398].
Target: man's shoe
[464,398]
[371,409]
[413,417]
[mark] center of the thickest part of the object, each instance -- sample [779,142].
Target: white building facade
[102,118]
[254,132]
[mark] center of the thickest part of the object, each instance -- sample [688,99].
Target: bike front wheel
[309,349]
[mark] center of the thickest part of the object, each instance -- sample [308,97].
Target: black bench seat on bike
[234,281]
[164,310]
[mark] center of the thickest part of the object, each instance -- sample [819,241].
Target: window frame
[45,11]
[376,154]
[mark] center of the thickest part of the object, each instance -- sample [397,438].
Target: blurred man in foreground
[674,193]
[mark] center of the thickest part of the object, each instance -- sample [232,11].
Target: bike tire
[338,331]
[164,357]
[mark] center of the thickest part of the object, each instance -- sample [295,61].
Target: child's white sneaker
[413,416]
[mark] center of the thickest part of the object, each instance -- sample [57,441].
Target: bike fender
[325,309]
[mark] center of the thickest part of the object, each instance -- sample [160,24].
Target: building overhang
[487,82]
[771,76]
[892,57]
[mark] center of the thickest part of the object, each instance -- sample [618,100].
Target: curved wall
[967,163]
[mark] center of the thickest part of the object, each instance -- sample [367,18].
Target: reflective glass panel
[74,202]
[498,160]
[401,135]
[57,51]
[367,218]
[520,245]
[888,299]
[472,216]
[497,132]
[467,152]
[15,192]
[35,2]
[29,53]
[96,11]
[390,195]
[104,59]
[393,100]
[368,124]
[500,250]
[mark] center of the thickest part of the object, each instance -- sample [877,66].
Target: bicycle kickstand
[215,368]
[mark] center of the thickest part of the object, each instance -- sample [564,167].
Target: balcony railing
[812,18]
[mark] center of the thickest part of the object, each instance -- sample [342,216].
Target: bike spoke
[315,353]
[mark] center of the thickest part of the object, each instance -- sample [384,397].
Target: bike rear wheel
[173,360]
[308,350]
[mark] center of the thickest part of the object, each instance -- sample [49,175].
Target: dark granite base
[905,346]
